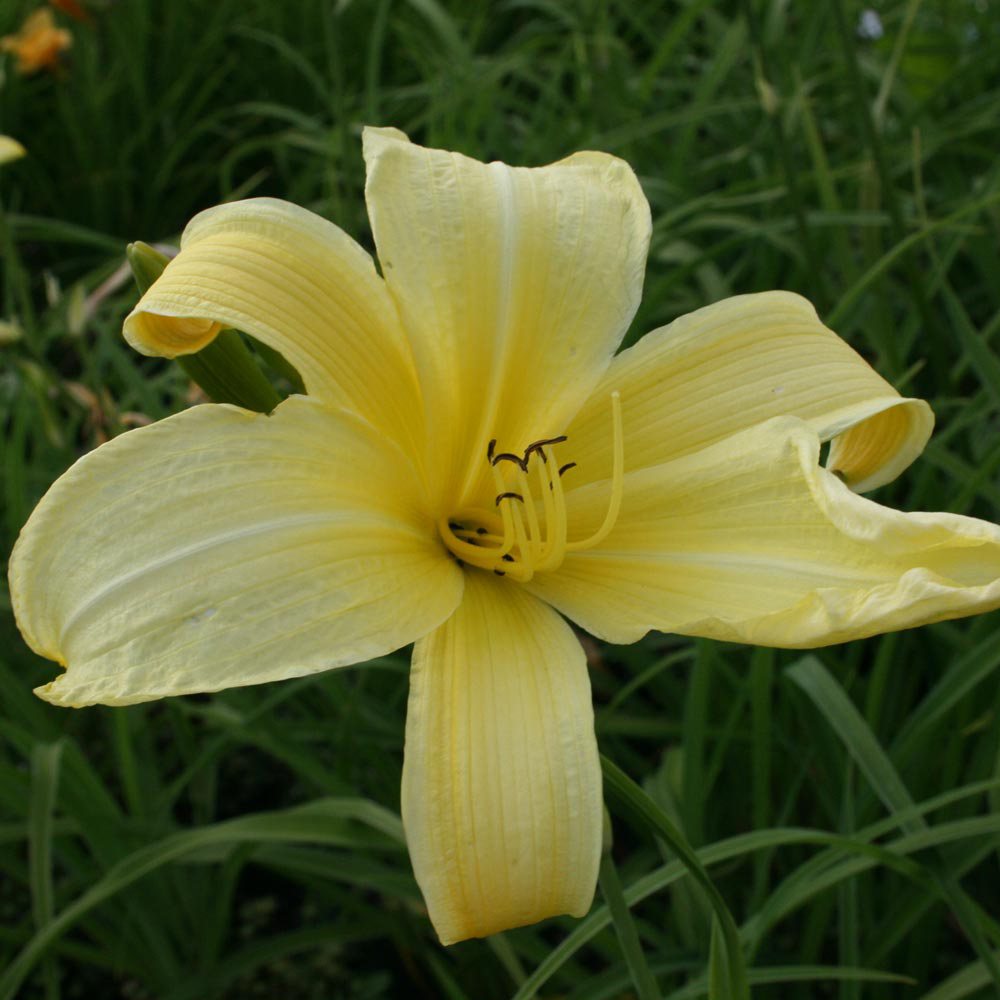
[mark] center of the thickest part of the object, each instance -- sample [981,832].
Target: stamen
[488,522]
[556,520]
[521,463]
[468,544]
[617,482]
[485,543]
[531,535]
[539,445]
[526,568]
[505,512]
[532,557]
[549,504]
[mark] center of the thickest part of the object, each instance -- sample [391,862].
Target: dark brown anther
[499,572]
[509,496]
[510,457]
[490,448]
[567,467]
[538,445]
[507,557]
[481,531]
[455,526]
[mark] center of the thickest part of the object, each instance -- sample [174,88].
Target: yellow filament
[555,512]
[524,568]
[504,512]
[617,482]
[513,531]
[466,550]
[544,479]
[490,519]
[539,536]
[535,545]
[467,536]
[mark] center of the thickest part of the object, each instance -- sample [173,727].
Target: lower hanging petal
[501,780]
[219,548]
[750,540]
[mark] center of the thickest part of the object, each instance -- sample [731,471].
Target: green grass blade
[330,821]
[964,983]
[810,675]
[764,840]
[45,761]
[628,936]
[629,795]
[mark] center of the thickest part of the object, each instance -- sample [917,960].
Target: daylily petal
[299,284]
[515,287]
[219,548]
[750,540]
[501,780]
[738,363]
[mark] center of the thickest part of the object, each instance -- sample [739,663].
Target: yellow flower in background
[10,150]
[471,463]
[39,43]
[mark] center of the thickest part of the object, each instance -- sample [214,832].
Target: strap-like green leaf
[637,803]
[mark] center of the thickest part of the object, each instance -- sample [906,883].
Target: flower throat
[521,536]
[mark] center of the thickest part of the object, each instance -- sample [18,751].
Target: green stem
[628,936]
[226,370]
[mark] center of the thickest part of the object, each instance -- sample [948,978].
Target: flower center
[522,535]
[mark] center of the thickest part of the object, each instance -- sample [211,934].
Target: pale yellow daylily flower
[472,460]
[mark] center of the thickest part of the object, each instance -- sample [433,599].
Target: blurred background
[247,844]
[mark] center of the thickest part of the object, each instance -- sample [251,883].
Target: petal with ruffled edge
[297,283]
[750,540]
[738,363]
[501,779]
[219,548]
[515,286]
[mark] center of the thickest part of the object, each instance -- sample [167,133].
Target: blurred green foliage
[245,844]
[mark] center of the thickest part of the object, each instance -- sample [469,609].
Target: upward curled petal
[299,284]
[220,548]
[515,286]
